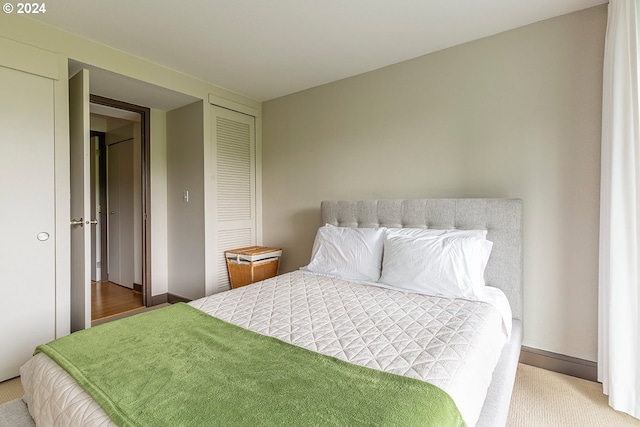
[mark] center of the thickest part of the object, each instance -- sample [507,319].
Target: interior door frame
[145,121]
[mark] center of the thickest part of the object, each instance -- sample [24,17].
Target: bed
[358,323]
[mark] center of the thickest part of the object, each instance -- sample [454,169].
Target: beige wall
[185,220]
[159,249]
[512,115]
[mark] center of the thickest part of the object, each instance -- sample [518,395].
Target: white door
[234,144]
[120,202]
[96,234]
[27,215]
[113,214]
[81,219]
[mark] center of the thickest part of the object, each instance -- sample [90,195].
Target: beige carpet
[10,389]
[540,399]
[547,399]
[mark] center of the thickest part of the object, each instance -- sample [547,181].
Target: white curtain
[619,284]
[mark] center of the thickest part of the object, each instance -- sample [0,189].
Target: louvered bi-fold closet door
[235,185]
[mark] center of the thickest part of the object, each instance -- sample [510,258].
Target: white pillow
[445,266]
[432,232]
[352,253]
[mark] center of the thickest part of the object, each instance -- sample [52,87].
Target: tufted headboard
[502,218]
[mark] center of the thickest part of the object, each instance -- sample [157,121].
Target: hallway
[109,299]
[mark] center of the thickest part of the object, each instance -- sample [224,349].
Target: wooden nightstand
[252,264]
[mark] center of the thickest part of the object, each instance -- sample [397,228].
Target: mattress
[451,343]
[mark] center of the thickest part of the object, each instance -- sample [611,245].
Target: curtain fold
[619,286]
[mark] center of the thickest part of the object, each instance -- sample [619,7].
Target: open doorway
[133,93]
[119,180]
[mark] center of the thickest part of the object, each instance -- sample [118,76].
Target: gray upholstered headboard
[502,218]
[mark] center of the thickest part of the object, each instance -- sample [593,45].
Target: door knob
[79,222]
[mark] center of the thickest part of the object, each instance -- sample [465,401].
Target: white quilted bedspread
[453,344]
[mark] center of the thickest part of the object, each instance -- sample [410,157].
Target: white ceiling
[265,49]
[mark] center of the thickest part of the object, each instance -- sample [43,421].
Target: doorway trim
[145,120]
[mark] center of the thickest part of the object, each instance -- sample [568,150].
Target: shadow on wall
[305,225]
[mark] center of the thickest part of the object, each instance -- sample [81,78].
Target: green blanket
[178,366]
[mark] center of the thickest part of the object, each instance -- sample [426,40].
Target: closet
[27,203]
[233,143]
[213,193]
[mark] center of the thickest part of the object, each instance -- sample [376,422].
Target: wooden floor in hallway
[109,299]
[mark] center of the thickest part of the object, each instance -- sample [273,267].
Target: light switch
[185,196]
